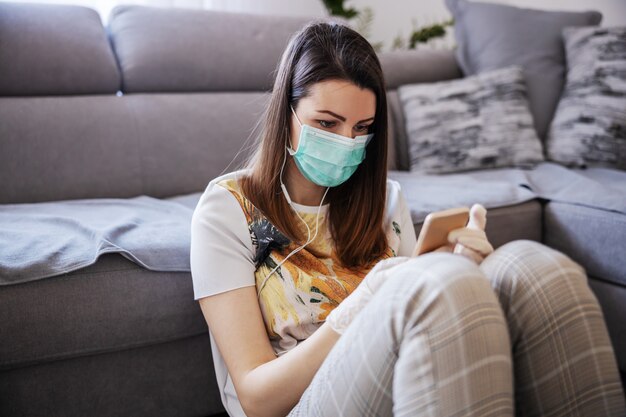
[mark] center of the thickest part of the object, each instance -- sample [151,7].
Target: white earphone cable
[308,240]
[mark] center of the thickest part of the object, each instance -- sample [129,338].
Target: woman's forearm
[274,388]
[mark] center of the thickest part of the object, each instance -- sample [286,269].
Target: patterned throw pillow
[589,127]
[481,121]
[492,36]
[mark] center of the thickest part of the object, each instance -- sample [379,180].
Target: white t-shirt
[233,246]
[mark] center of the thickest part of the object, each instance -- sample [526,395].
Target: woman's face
[337,106]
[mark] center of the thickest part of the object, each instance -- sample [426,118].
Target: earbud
[285,193]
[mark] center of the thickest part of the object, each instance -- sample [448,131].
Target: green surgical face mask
[328,159]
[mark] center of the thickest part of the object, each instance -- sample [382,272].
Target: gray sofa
[157,104]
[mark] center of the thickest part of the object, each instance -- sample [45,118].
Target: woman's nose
[347,132]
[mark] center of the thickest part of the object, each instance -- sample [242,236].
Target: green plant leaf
[336,8]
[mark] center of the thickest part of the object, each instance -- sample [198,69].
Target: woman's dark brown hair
[323,51]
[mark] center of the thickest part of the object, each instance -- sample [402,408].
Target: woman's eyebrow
[343,119]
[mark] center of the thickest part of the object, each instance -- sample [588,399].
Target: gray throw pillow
[589,127]
[481,121]
[491,36]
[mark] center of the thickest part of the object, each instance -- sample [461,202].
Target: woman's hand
[340,318]
[471,241]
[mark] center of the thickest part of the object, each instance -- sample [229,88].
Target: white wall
[398,17]
[391,17]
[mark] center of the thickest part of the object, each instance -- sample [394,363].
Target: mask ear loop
[292,150]
[308,239]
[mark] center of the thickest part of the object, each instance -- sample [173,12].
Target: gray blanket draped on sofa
[47,239]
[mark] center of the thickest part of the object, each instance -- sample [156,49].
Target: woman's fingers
[478,217]
[469,253]
[445,248]
[480,245]
[471,238]
[455,234]
[471,241]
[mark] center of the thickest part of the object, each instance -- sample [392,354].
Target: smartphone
[437,225]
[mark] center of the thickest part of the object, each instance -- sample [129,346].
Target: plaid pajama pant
[520,335]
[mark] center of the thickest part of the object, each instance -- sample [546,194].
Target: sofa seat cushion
[41,240]
[492,188]
[602,188]
[592,237]
[610,179]
[168,379]
[513,209]
[109,306]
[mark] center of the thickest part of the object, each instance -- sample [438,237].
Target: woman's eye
[330,124]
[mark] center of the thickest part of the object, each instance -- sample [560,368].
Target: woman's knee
[433,274]
[442,291]
[522,270]
[527,259]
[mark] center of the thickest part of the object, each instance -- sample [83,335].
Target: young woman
[301,265]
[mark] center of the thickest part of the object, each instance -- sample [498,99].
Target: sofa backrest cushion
[159,145]
[418,66]
[410,67]
[172,49]
[54,50]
